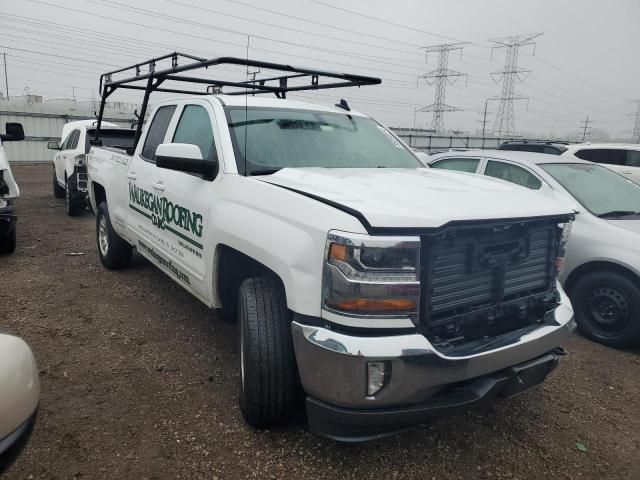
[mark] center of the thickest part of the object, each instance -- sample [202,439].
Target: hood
[7,177]
[417,198]
[631,225]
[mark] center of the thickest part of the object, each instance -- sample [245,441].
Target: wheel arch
[98,195]
[231,267]
[596,266]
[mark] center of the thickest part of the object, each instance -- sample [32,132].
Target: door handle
[158,186]
[627,172]
[132,175]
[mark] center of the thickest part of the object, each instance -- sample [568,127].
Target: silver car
[602,271]
[19,397]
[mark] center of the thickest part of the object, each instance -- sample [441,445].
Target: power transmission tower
[504,121]
[635,138]
[441,77]
[585,128]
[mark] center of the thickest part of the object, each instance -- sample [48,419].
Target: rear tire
[114,252]
[607,308]
[269,378]
[73,207]
[58,191]
[8,242]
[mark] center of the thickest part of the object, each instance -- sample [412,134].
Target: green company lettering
[164,213]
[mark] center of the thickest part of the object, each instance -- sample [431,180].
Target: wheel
[607,308]
[72,206]
[8,242]
[58,191]
[114,252]
[268,373]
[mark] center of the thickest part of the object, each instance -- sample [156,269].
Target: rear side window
[633,158]
[194,127]
[157,131]
[512,173]
[608,156]
[469,165]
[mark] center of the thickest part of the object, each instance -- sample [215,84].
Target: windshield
[278,138]
[598,189]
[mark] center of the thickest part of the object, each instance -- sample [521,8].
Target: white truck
[69,161]
[357,276]
[9,190]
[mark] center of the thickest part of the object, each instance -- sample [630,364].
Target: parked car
[602,272]
[69,161]
[351,269]
[623,158]
[19,397]
[9,191]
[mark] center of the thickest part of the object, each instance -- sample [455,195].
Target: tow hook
[561,352]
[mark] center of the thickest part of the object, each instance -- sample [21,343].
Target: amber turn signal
[338,251]
[366,305]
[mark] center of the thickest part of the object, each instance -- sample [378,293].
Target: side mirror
[53,146]
[185,157]
[15,132]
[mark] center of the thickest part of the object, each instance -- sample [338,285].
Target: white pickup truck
[356,275]
[9,191]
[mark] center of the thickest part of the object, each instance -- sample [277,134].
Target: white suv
[624,159]
[69,162]
[620,157]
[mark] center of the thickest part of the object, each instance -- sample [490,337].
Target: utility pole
[635,138]
[484,117]
[441,77]
[6,77]
[505,121]
[585,127]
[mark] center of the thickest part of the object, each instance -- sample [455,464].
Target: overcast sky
[585,62]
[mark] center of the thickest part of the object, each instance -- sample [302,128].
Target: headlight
[3,203]
[372,276]
[562,250]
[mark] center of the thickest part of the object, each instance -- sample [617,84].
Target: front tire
[58,191]
[8,242]
[607,308]
[269,383]
[114,252]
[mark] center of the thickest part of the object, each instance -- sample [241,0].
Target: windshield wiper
[618,213]
[264,171]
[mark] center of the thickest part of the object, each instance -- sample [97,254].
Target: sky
[584,63]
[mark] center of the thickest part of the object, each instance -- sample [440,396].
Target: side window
[67,141]
[584,154]
[633,158]
[157,131]
[512,173]
[608,156]
[73,143]
[194,127]
[469,165]
[552,150]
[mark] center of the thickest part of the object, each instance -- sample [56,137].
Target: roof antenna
[344,105]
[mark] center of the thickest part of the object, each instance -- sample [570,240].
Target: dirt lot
[139,380]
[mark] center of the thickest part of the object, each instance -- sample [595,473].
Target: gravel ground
[139,380]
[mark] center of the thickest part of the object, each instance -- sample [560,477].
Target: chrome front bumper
[333,366]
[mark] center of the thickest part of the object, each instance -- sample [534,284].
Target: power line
[505,122]
[441,77]
[389,22]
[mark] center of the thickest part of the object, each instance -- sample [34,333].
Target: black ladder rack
[277,85]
